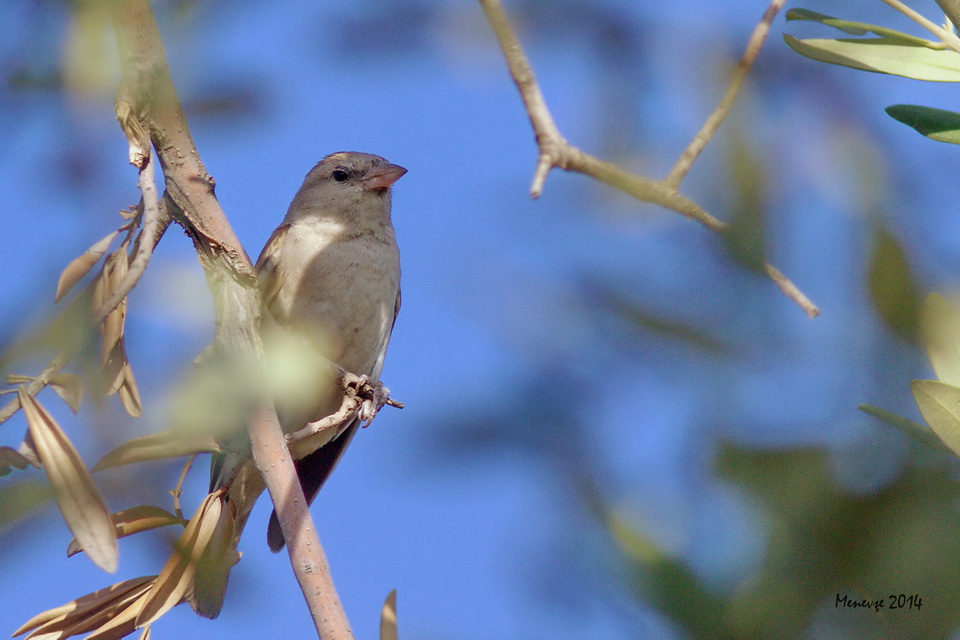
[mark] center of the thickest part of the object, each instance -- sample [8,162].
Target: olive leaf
[85,613]
[80,502]
[916,431]
[158,446]
[940,405]
[134,520]
[860,28]
[82,264]
[882,55]
[937,124]
[177,575]
[940,320]
[388,618]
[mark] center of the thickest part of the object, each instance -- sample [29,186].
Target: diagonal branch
[555,151]
[715,119]
[150,112]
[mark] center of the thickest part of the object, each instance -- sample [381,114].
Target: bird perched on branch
[329,280]
[330,283]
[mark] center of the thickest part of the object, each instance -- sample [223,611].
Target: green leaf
[893,289]
[917,431]
[940,405]
[860,28]
[940,320]
[883,55]
[936,124]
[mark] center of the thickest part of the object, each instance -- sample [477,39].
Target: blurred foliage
[822,538]
[893,288]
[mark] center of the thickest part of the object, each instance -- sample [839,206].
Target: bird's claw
[371,395]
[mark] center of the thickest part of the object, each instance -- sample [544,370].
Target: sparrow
[329,278]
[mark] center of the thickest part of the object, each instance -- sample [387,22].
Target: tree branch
[149,110]
[555,151]
[715,119]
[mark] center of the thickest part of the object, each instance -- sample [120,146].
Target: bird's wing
[314,469]
[269,269]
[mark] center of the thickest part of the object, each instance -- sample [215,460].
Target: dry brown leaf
[146,632]
[115,620]
[125,622]
[80,502]
[134,520]
[129,394]
[113,272]
[69,386]
[157,446]
[98,618]
[388,618]
[11,459]
[117,373]
[84,604]
[28,450]
[81,265]
[177,575]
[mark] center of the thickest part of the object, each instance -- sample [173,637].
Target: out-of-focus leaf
[940,405]
[918,432]
[822,540]
[936,124]
[667,582]
[113,356]
[940,323]
[11,459]
[134,520]
[647,320]
[117,373]
[882,55]
[128,392]
[147,632]
[157,446]
[77,496]
[89,64]
[633,542]
[388,618]
[860,28]
[893,288]
[87,612]
[19,500]
[744,236]
[175,578]
[69,386]
[81,265]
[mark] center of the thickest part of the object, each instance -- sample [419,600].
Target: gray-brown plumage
[330,280]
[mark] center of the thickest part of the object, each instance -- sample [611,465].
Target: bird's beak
[383,176]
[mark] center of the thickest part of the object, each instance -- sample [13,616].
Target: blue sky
[491,545]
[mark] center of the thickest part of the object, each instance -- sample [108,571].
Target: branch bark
[150,112]
[555,151]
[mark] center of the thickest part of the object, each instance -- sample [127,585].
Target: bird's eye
[340,175]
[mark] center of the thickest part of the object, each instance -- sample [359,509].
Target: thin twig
[36,386]
[151,225]
[948,38]
[550,141]
[715,119]
[177,491]
[555,151]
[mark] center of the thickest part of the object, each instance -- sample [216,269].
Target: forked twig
[715,119]
[555,151]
